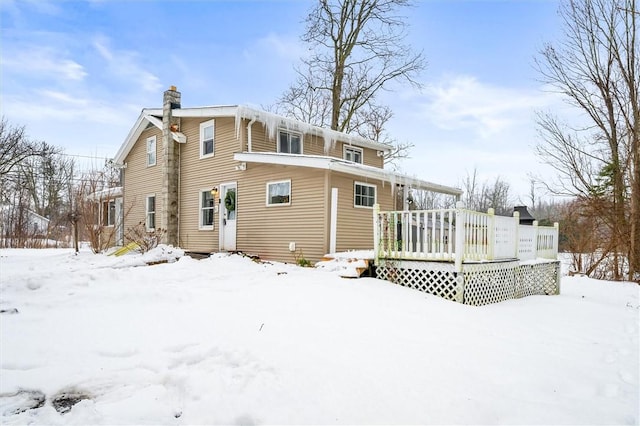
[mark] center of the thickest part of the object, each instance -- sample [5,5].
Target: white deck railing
[433,235]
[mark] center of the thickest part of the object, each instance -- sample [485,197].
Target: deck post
[491,233]
[535,239]
[376,233]
[460,230]
[556,239]
[516,252]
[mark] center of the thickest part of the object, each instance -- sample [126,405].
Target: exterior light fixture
[410,198]
[214,192]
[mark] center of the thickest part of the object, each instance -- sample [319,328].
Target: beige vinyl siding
[141,181]
[198,174]
[266,231]
[355,224]
[262,230]
[259,138]
[369,156]
[312,145]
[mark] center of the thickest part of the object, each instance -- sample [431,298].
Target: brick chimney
[170,169]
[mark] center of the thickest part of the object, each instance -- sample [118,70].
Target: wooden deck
[460,235]
[466,256]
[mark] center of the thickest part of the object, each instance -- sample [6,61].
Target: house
[20,226]
[235,178]
[104,208]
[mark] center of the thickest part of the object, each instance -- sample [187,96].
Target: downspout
[249,147]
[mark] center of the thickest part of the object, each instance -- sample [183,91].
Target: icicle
[272,122]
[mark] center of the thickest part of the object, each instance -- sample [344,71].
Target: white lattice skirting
[479,283]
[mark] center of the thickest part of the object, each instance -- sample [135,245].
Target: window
[290,143]
[109,213]
[151,213]
[279,193]
[207,204]
[351,153]
[151,151]
[364,195]
[207,139]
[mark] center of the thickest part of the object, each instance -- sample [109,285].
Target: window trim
[346,148]
[147,212]
[202,227]
[106,214]
[375,194]
[289,133]
[273,182]
[155,151]
[204,125]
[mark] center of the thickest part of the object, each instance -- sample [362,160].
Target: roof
[105,194]
[343,166]
[271,121]
[5,207]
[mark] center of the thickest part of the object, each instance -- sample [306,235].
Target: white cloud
[62,97]
[45,7]
[126,64]
[285,47]
[275,46]
[460,123]
[15,8]
[486,110]
[42,63]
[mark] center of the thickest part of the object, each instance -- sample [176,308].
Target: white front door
[228,215]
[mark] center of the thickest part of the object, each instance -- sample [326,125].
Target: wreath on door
[230,201]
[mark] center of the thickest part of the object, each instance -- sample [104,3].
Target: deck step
[354,268]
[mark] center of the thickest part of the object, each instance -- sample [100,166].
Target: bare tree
[597,68]
[95,208]
[357,50]
[481,196]
[14,146]
[429,200]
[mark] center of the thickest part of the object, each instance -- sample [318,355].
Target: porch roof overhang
[343,166]
[105,194]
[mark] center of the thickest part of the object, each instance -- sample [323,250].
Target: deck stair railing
[434,235]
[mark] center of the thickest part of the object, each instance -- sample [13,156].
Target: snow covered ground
[227,340]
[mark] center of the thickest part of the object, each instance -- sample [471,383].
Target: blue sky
[77,73]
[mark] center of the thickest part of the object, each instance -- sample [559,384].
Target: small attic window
[352,153]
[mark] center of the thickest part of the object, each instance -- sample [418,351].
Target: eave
[342,166]
[147,115]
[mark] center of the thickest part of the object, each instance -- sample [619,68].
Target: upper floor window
[207,143]
[207,206]
[364,195]
[352,153]
[150,213]
[151,151]
[290,143]
[279,193]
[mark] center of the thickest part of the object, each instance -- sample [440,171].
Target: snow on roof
[105,194]
[271,121]
[7,207]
